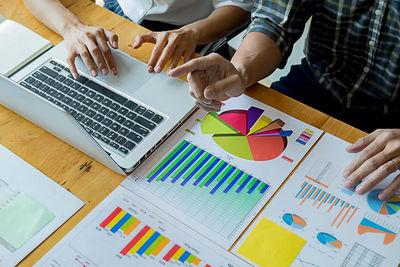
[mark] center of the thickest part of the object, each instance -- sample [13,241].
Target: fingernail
[348,184]
[94,73]
[360,189]
[150,69]
[158,69]
[382,196]
[75,75]
[114,71]
[104,71]
[115,44]
[346,173]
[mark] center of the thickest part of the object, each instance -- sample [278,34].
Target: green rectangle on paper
[184,164]
[252,183]
[195,166]
[175,162]
[21,219]
[128,223]
[206,167]
[154,245]
[191,258]
[212,173]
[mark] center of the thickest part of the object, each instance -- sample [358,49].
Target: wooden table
[78,173]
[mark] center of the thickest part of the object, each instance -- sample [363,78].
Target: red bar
[171,252]
[207,265]
[110,217]
[135,240]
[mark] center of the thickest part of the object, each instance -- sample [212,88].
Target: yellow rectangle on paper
[116,219]
[141,242]
[271,245]
[178,254]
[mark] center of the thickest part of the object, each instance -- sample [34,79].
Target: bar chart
[204,187]
[320,198]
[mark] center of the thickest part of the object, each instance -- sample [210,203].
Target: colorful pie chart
[294,220]
[388,207]
[247,134]
[329,240]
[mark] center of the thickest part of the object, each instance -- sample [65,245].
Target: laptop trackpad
[132,74]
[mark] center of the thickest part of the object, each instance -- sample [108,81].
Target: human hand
[211,79]
[177,44]
[380,156]
[90,43]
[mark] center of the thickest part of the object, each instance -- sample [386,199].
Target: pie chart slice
[329,240]
[388,207]
[261,123]
[275,146]
[294,220]
[212,124]
[236,118]
[235,144]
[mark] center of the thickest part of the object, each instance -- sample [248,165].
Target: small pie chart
[329,240]
[388,207]
[294,220]
[247,134]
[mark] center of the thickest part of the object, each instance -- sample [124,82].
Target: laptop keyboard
[119,123]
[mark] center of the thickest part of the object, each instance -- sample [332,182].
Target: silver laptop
[117,120]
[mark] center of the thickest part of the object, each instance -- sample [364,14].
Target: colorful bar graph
[177,253]
[316,195]
[189,175]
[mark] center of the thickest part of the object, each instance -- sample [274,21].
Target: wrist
[242,74]
[69,27]
[193,32]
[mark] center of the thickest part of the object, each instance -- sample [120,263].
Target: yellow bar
[143,240]
[160,247]
[196,261]
[132,227]
[116,219]
[178,254]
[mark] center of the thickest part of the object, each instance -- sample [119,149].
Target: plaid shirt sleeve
[281,20]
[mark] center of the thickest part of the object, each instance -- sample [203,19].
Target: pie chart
[388,207]
[247,134]
[329,240]
[294,220]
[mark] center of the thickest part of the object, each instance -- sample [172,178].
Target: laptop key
[29,80]
[104,130]
[106,102]
[66,100]
[149,114]
[57,85]
[114,106]
[49,81]
[76,86]
[88,102]
[120,119]
[24,84]
[68,82]
[90,113]
[90,131]
[90,93]
[105,140]
[95,106]
[53,62]
[146,123]
[79,117]
[97,135]
[134,137]
[79,98]
[114,145]
[83,90]
[64,89]
[37,84]
[98,88]
[72,93]
[140,110]
[40,76]
[112,136]
[112,114]
[82,108]
[128,123]
[120,140]
[131,105]
[51,92]
[123,131]
[140,130]
[81,79]
[107,122]
[87,121]
[98,117]
[131,115]
[59,95]
[104,110]
[98,98]
[115,126]
[129,145]
[72,112]
[123,150]
[74,104]
[49,72]
[123,111]
[95,126]
[44,88]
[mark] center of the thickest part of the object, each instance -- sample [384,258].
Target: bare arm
[182,42]
[90,43]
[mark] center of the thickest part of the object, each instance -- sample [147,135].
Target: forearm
[221,22]
[53,14]
[257,57]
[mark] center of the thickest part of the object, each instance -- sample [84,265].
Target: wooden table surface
[78,173]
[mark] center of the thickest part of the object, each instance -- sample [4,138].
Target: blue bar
[222,180]
[253,187]
[233,182]
[337,201]
[311,193]
[306,192]
[206,171]
[189,164]
[301,190]
[347,205]
[264,189]
[316,195]
[326,199]
[322,196]
[120,223]
[300,141]
[215,174]
[168,162]
[341,205]
[196,169]
[243,184]
[148,243]
[178,164]
[332,200]
[184,256]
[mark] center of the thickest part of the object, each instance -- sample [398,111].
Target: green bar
[261,186]
[243,179]
[128,223]
[212,173]
[219,178]
[233,176]
[191,258]
[185,175]
[175,162]
[166,159]
[206,167]
[155,244]
[185,163]
[252,183]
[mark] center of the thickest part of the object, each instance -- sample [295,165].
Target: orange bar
[160,247]
[322,201]
[304,199]
[345,215]
[302,195]
[316,200]
[333,204]
[344,206]
[352,214]
[196,261]
[132,227]
[316,192]
[316,181]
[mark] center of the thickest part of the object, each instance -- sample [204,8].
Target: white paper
[18,177]
[356,245]
[92,243]
[218,218]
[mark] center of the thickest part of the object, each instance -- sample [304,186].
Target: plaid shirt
[353,46]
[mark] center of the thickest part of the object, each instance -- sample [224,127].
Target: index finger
[71,62]
[105,49]
[201,63]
